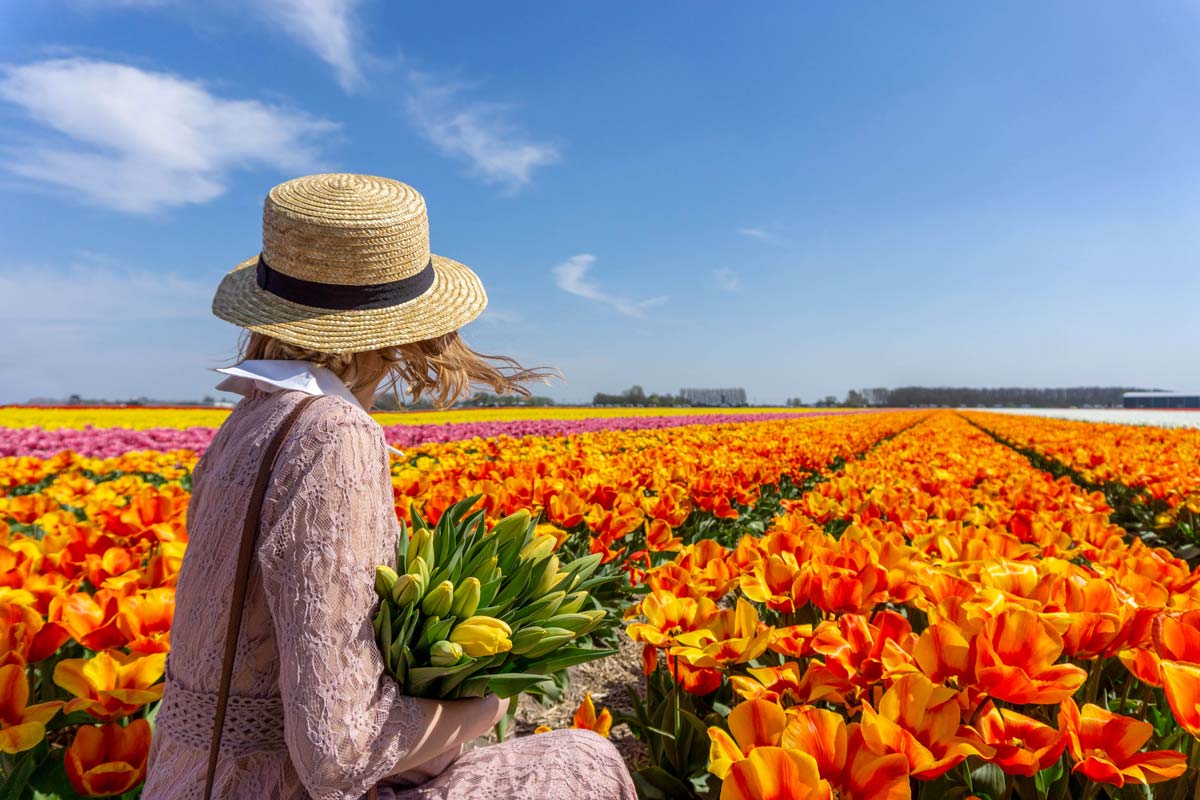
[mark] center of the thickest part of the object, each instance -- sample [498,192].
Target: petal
[1155,766]
[14,692]
[1182,685]
[722,752]
[757,723]
[19,738]
[69,674]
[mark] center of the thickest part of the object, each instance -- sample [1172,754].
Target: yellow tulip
[482,636]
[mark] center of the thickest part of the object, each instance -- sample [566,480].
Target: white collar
[272,374]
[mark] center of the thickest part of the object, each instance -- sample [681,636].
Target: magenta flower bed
[109,442]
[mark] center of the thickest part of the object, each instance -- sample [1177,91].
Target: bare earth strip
[1127,416]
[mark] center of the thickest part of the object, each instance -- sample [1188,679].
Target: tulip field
[884,604]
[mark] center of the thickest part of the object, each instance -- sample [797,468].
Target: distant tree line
[636,396]
[909,396]
[389,402]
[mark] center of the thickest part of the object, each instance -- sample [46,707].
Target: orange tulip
[733,636]
[772,773]
[23,631]
[1023,745]
[90,619]
[846,578]
[869,776]
[108,759]
[753,723]
[22,726]
[920,720]
[1015,655]
[145,620]
[769,683]
[854,655]
[111,684]
[843,758]
[587,719]
[667,616]
[660,537]
[694,680]
[792,640]
[1105,747]
[1098,619]
[773,581]
[1176,637]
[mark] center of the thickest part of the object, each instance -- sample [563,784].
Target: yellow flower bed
[141,418]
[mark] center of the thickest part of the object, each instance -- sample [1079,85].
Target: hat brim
[455,298]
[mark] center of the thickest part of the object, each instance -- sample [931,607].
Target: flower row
[90,549]
[107,442]
[139,418]
[938,617]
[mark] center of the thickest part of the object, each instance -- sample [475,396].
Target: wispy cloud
[478,133]
[329,28]
[761,233]
[572,276]
[728,280]
[500,316]
[140,141]
[93,291]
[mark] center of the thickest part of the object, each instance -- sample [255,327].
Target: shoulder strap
[241,578]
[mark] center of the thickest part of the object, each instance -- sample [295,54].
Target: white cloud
[728,280]
[572,276]
[326,27]
[476,132]
[139,141]
[500,316]
[94,292]
[760,233]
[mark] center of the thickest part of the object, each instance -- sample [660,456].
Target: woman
[344,294]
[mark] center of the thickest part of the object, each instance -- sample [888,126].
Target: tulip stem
[1129,682]
[1089,791]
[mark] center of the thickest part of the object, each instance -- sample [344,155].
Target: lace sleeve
[327,522]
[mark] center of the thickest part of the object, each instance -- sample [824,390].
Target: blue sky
[794,198]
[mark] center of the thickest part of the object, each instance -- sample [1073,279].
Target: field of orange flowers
[1150,475]
[880,605]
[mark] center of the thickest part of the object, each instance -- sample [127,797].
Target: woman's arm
[329,506]
[450,724]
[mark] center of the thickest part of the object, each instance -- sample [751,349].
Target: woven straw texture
[352,230]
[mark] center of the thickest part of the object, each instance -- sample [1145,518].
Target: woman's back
[327,520]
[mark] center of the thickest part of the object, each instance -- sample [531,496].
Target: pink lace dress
[311,712]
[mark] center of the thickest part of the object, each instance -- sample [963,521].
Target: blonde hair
[444,368]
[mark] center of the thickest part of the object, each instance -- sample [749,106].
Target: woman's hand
[449,725]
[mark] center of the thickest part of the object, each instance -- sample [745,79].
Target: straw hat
[345,267]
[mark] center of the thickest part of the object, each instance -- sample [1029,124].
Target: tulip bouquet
[470,612]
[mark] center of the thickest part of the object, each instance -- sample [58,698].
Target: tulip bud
[488,571]
[445,654]
[419,566]
[482,636]
[385,579]
[420,545]
[527,638]
[539,547]
[437,603]
[408,590]
[573,603]
[578,623]
[554,639]
[549,578]
[466,599]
